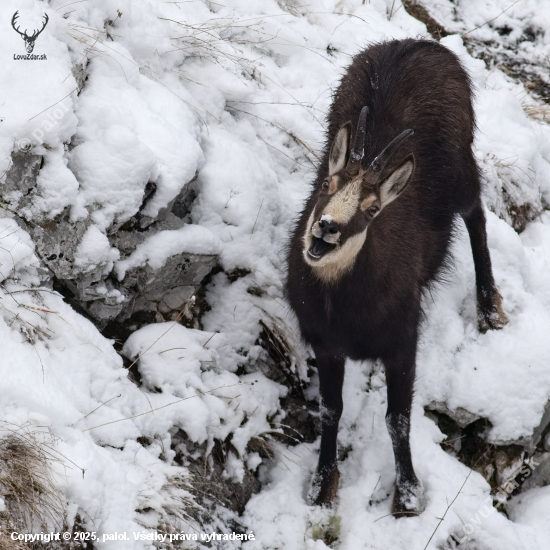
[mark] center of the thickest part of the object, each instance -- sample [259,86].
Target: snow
[115,167]
[94,249]
[533,510]
[238,93]
[160,246]
[56,187]
[16,249]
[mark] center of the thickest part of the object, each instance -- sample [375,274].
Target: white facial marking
[307,234]
[343,205]
[341,208]
[368,202]
[331,238]
[316,230]
[336,262]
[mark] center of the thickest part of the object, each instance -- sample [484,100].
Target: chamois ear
[339,150]
[394,184]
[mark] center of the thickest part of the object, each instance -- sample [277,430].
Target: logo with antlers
[29,40]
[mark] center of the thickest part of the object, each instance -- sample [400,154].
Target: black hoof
[408,500]
[490,315]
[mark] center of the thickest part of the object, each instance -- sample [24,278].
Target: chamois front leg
[400,370]
[331,377]
[490,314]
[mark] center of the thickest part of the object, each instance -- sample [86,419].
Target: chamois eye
[373,210]
[324,187]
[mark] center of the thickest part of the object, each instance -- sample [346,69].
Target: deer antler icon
[29,40]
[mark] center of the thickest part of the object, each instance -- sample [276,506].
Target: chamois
[375,234]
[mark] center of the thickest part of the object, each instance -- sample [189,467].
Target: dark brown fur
[373,310]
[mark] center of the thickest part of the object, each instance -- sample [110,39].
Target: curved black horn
[378,164]
[358,149]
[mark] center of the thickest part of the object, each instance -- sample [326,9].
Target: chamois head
[350,198]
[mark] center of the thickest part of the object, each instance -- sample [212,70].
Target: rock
[461,416]
[464,418]
[418,11]
[56,243]
[540,474]
[169,288]
[510,468]
[103,312]
[176,298]
[179,270]
[515,195]
[507,462]
[145,295]
[21,177]
[179,207]
[538,433]
[182,203]
[101,300]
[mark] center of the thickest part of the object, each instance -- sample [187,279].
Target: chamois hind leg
[331,377]
[489,302]
[400,370]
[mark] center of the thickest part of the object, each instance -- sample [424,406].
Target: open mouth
[319,248]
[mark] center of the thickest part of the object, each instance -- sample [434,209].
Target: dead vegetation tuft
[262,446]
[32,502]
[538,112]
[172,511]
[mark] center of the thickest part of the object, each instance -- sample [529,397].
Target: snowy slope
[238,91]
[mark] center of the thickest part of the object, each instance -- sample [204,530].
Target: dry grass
[32,501]
[538,112]
[178,504]
[6,543]
[219,40]
[172,509]
[262,446]
[284,347]
[29,320]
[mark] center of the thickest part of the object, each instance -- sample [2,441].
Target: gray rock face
[21,176]
[540,474]
[144,295]
[461,416]
[509,467]
[56,243]
[168,289]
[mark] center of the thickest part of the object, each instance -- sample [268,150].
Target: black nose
[327,226]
